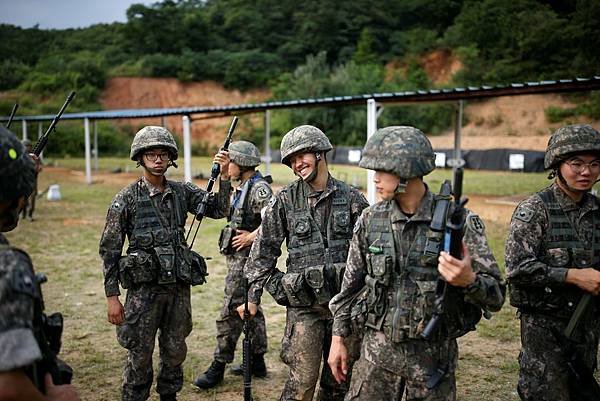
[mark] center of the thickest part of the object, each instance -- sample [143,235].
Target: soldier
[251,197]
[29,207]
[19,349]
[314,215]
[386,257]
[552,257]
[158,268]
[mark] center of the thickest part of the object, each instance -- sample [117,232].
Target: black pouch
[275,288]
[136,268]
[295,289]
[199,269]
[316,278]
[166,264]
[225,239]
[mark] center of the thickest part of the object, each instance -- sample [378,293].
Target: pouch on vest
[144,240]
[558,257]
[296,289]
[316,278]
[199,269]
[137,266]
[126,264]
[302,228]
[225,239]
[275,288]
[376,303]
[341,222]
[582,258]
[161,237]
[422,307]
[166,264]
[380,267]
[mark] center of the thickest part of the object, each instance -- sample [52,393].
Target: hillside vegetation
[311,48]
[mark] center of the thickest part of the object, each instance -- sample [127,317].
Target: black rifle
[447,225]
[246,362]
[214,173]
[43,141]
[582,383]
[48,332]
[12,115]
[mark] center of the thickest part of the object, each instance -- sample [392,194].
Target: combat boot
[212,377]
[259,368]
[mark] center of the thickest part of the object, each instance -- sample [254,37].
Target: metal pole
[371,128]
[40,133]
[457,133]
[187,149]
[95,145]
[88,151]
[267,157]
[162,121]
[24,125]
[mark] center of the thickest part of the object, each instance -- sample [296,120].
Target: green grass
[63,243]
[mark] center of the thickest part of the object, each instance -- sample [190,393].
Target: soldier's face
[385,184]
[581,172]
[156,160]
[303,164]
[234,171]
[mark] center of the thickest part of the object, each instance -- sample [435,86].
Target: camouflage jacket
[18,345]
[409,237]
[274,229]
[539,272]
[121,217]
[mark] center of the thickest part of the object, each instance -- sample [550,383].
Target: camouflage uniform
[156,272]
[386,257]
[29,206]
[549,234]
[317,227]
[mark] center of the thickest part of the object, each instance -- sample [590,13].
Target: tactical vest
[313,260]
[242,218]
[157,248]
[401,288]
[562,248]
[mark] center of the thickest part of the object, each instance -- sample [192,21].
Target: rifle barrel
[12,115]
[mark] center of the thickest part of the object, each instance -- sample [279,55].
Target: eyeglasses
[579,166]
[154,156]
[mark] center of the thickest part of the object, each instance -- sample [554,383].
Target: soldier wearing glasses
[552,257]
[158,268]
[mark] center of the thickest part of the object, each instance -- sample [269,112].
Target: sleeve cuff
[558,274]
[112,290]
[18,348]
[340,329]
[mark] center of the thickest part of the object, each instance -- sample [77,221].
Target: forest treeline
[310,48]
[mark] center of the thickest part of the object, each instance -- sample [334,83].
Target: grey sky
[61,14]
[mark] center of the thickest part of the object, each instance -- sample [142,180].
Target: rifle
[48,333]
[12,115]
[246,363]
[43,141]
[447,227]
[214,173]
[582,383]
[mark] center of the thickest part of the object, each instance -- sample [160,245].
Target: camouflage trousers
[229,324]
[305,346]
[543,374]
[417,370]
[150,309]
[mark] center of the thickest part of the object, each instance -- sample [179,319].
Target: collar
[152,190]
[424,212]
[588,202]
[329,189]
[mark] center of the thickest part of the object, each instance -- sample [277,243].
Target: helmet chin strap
[311,177]
[401,187]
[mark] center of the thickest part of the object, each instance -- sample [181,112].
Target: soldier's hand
[64,392]
[116,313]
[457,272]
[222,159]
[243,239]
[252,309]
[338,359]
[36,160]
[586,279]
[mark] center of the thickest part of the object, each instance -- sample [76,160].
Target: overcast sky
[61,14]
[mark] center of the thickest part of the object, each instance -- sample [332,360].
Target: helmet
[151,137]
[17,170]
[571,139]
[244,154]
[400,150]
[304,138]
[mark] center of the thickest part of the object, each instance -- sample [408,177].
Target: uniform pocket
[296,290]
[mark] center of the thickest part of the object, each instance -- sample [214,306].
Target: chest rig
[241,216]
[157,248]
[314,259]
[563,247]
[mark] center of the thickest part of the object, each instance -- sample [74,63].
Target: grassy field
[63,243]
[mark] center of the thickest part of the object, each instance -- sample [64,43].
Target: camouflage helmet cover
[571,139]
[151,137]
[17,170]
[244,154]
[400,150]
[304,138]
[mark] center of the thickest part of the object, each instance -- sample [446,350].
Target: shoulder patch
[475,224]
[262,192]
[524,214]
[118,204]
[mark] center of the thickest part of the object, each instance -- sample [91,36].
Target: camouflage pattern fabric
[150,309]
[543,374]
[244,154]
[18,346]
[17,170]
[151,137]
[409,236]
[403,151]
[571,139]
[304,138]
[416,363]
[307,329]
